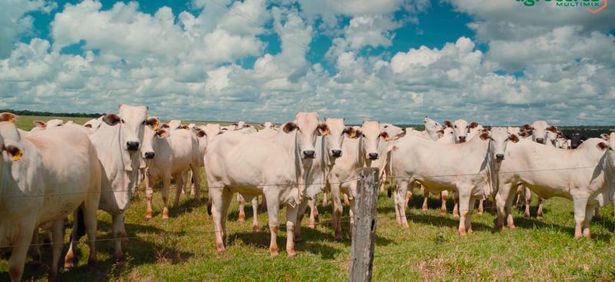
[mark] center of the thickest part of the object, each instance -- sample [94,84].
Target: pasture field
[182,247]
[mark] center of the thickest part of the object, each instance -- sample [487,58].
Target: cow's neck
[119,164]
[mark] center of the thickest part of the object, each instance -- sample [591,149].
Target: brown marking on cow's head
[513,138]
[183,126]
[384,135]
[603,146]
[14,152]
[448,123]
[199,132]
[552,129]
[485,134]
[6,116]
[353,133]
[473,125]
[289,127]
[112,119]
[323,129]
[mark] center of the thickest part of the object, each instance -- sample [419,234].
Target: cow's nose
[373,156]
[309,154]
[132,145]
[336,153]
[540,140]
[462,139]
[150,155]
[499,157]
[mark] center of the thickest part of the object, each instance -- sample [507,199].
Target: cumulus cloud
[14,21]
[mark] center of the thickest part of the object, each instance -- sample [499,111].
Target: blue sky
[392,60]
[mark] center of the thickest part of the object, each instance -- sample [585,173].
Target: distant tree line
[37,113]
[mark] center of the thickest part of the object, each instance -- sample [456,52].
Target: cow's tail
[79,223]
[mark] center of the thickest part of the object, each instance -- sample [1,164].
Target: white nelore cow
[45,175]
[579,175]
[168,154]
[117,143]
[40,125]
[93,124]
[277,167]
[467,168]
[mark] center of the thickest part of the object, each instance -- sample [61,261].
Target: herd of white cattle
[61,168]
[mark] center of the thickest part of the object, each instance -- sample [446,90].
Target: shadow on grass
[533,223]
[137,252]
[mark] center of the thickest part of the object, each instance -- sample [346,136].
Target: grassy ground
[182,248]
[27,122]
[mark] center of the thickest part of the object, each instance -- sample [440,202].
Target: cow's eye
[145,121]
[122,121]
[455,126]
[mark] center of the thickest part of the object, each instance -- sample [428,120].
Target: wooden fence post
[364,229]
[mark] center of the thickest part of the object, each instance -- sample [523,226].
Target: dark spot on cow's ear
[401,134]
[473,125]
[162,132]
[14,152]
[199,132]
[289,127]
[441,131]
[324,129]
[527,127]
[183,127]
[485,135]
[513,138]
[384,135]
[6,116]
[153,122]
[603,146]
[448,123]
[112,119]
[40,124]
[164,125]
[605,136]
[552,128]
[88,125]
[235,124]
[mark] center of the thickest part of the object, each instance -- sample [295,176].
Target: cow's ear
[199,132]
[401,134]
[14,152]
[112,119]
[350,132]
[88,125]
[448,123]
[384,135]
[441,131]
[162,133]
[40,124]
[153,122]
[552,128]
[513,138]
[164,125]
[603,146]
[485,135]
[289,127]
[324,129]
[8,117]
[605,136]
[473,124]
[527,127]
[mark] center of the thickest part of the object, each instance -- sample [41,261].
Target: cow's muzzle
[373,156]
[132,145]
[149,155]
[309,154]
[336,153]
[499,157]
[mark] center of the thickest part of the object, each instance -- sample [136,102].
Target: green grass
[27,122]
[182,248]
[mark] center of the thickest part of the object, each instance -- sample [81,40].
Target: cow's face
[610,138]
[308,128]
[538,131]
[132,122]
[432,126]
[576,139]
[473,129]
[371,138]
[460,127]
[150,132]
[447,134]
[334,136]
[552,134]
[10,141]
[500,138]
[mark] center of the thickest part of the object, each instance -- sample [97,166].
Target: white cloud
[14,22]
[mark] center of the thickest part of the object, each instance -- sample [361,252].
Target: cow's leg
[242,208]
[540,204]
[580,209]
[302,207]
[425,199]
[443,197]
[57,236]
[346,199]
[196,186]
[149,195]
[401,195]
[19,252]
[596,211]
[456,204]
[255,214]
[481,205]
[408,197]
[179,187]
[351,212]
[338,210]
[396,205]
[166,183]
[90,206]
[69,259]
[510,222]
[589,213]
[220,199]
[273,211]
[464,207]
[325,199]
[119,234]
[527,196]
[501,199]
[291,220]
[313,213]
[468,222]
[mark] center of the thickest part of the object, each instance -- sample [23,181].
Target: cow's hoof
[242,218]
[462,233]
[338,237]
[291,253]
[68,265]
[443,211]
[512,227]
[119,258]
[539,217]
[148,216]
[274,252]
[220,248]
[165,213]
[255,228]
[311,224]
